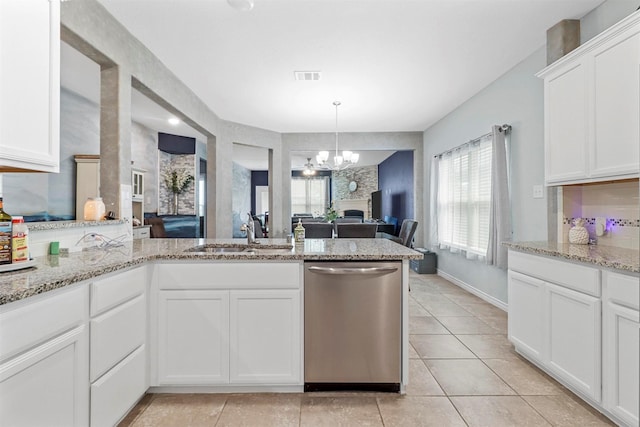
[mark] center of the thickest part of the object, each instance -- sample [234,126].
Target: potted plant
[331,214]
[177,181]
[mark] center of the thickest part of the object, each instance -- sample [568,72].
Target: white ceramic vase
[578,235]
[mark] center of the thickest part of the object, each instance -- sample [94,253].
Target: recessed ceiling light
[174,121]
[307,75]
[241,5]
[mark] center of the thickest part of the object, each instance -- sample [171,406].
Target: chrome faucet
[250,230]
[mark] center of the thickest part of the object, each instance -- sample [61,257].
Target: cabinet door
[621,361]
[48,385]
[117,391]
[525,320]
[30,85]
[566,125]
[574,339]
[193,337]
[265,337]
[616,149]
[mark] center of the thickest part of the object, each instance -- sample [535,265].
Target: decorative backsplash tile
[611,222]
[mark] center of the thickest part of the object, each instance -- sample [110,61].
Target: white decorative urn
[578,234]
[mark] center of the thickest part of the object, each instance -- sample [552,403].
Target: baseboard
[227,388]
[467,287]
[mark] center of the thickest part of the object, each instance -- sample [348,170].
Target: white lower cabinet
[118,356]
[582,326]
[621,336]
[193,337]
[526,295]
[228,323]
[43,360]
[554,319]
[265,337]
[574,338]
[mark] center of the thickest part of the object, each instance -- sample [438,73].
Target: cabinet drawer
[115,334]
[229,275]
[118,390]
[623,289]
[580,278]
[111,291]
[24,324]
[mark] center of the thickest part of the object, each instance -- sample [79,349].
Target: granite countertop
[56,271]
[602,256]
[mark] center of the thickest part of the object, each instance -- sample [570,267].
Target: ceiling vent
[307,75]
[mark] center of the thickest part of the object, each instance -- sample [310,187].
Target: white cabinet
[30,85]
[526,316]
[137,194]
[565,118]
[44,360]
[573,335]
[118,362]
[592,109]
[265,337]
[193,337]
[229,323]
[555,319]
[616,107]
[621,337]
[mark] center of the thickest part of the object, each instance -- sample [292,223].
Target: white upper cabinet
[30,85]
[592,109]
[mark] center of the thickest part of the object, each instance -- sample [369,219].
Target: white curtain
[470,199]
[433,202]
[464,198]
[500,225]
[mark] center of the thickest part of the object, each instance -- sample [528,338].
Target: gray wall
[241,197]
[516,98]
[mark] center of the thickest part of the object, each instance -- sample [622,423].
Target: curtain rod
[504,128]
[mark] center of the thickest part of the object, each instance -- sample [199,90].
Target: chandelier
[308,168]
[340,162]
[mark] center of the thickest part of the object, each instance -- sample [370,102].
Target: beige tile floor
[462,372]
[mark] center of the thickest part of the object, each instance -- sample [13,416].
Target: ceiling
[396,65]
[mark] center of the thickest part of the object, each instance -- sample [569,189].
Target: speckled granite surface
[603,256]
[56,271]
[57,225]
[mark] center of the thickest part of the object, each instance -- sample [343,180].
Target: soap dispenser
[298,232]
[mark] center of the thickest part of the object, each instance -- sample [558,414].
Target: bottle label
[5,242]
[20,247]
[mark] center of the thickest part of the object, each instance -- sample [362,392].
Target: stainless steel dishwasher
[352,326]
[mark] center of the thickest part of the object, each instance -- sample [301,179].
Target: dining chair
[354,213]
[157,227]
[407,230]
[318,230]
[356,230]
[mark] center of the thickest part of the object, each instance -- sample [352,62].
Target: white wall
[516,98]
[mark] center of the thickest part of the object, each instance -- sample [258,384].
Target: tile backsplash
[617,201]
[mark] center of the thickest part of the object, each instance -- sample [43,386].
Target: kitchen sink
[245,250]
[219,249]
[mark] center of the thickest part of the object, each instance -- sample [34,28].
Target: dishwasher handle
[352,270]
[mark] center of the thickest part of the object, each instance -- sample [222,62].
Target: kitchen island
[101,327]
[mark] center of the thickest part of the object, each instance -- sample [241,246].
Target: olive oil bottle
[5,235]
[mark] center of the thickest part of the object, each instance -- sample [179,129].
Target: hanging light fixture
[308,168]
[340,162]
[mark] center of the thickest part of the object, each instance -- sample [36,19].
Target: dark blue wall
[257,178]
[395,179]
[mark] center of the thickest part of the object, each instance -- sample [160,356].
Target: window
[309,195]
[464,197]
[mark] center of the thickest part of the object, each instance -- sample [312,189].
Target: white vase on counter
[578,235]
[94,209]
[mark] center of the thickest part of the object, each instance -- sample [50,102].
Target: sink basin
[219,249]
[239,250]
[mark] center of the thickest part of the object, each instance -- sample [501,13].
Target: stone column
[115,140]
